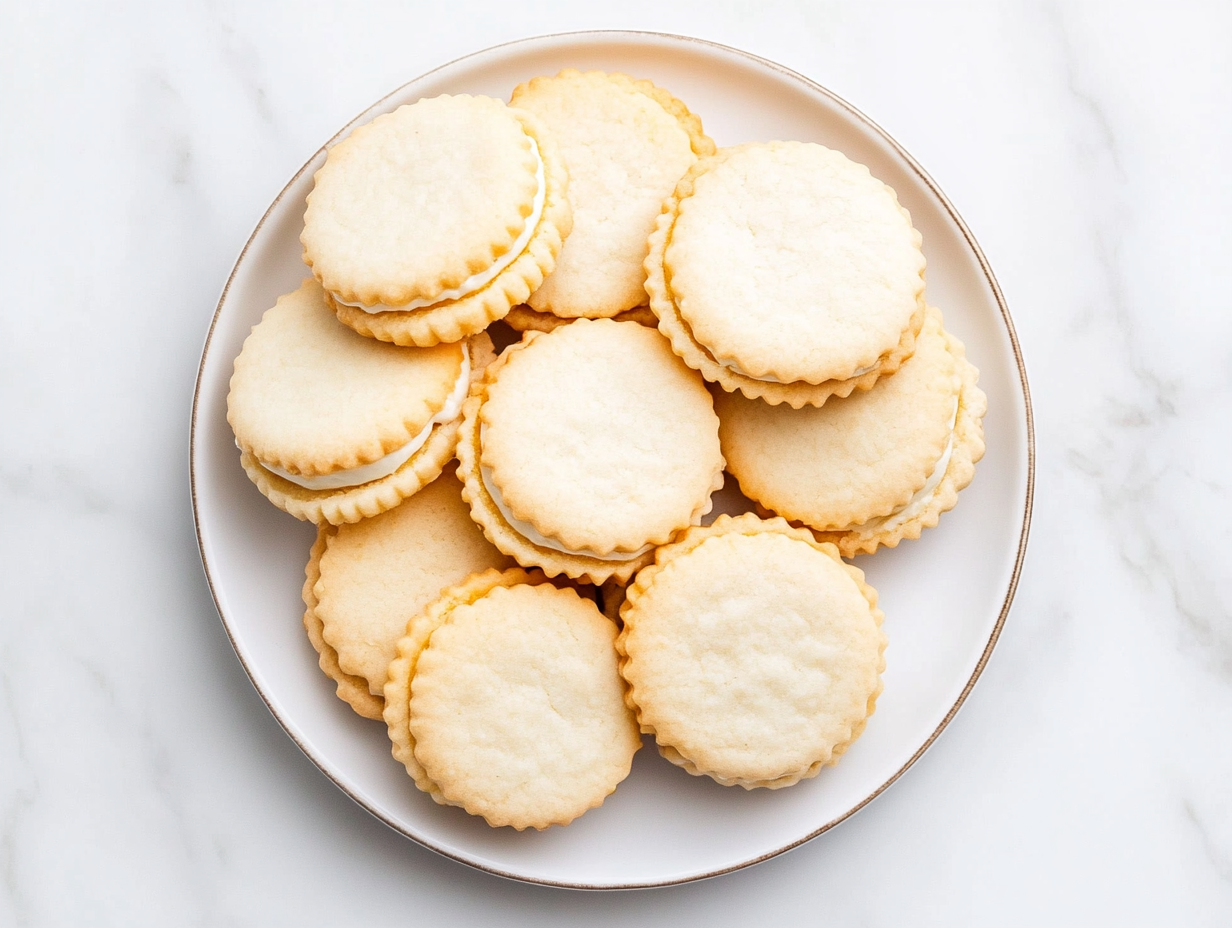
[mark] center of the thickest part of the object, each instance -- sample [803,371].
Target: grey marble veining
[143,781]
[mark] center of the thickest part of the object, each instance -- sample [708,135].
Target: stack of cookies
[517,565]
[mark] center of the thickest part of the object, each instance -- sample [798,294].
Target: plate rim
[632,36]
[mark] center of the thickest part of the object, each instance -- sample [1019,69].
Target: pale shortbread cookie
[374,575]
[505,700]
[430,222]
[333,427]
[871,469]
[753,653]
[626,143]
[787,272]
[523,319]
[587,446]
[350,689]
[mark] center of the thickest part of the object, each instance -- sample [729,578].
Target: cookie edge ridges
[351,689]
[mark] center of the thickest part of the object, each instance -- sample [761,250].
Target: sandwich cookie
[753,653]
[787,272]
[626,143]
[370,578]
[333,427]
[505,700]
[586,447]
[430,222]
[871,469]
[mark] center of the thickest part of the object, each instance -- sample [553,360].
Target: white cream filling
[383,467]
[532,534]
[733,366]
[483,278]
[921,497]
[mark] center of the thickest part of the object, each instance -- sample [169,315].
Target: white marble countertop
[143,781]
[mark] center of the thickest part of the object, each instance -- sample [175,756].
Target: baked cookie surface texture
[787,272]
[587,446]
[371,577]
[430,222]
[753,653]
[872,468]
[626,143]
[332,426]
[505,700]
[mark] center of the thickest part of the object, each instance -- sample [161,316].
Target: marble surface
[143,781]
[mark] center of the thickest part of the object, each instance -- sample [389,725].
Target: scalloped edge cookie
[350,504]
[400,696]
[650,709]
[498,527]
[451,320]
[673,325]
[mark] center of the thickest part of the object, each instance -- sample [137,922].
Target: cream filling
[532,534]
[383,467]
[922,496]
[733,366]
[483,278]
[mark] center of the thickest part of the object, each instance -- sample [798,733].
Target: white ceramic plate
[945,597]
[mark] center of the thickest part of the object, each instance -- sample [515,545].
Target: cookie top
[507,695]
[786,271]
[430,222]
[752,652]
[312,398]
[598,437]
[626,143]
[852,460]
[378,573]
[413,203]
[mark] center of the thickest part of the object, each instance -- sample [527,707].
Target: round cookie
[587,446]
[505,700]
[372,576]
[430,222]
[787,272]
[753,654]
[333,427]
[871,469]
[626,143]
